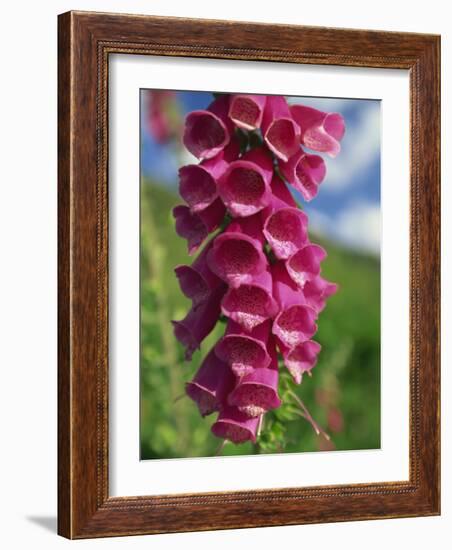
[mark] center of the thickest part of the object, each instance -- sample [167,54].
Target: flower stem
[307,415]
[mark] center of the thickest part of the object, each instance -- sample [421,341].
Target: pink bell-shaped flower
[281,132]
[211,384]
[317,291]
[285,225]
[304,265]
[245,184]
[235,426]
[305,172]
[244,351]
[208,131]
[251,304]
[199,322]
[319,131]
[300,358]
[237,255]
[295,323]
[281,196]
[195,227]
[197,281]
[286,231]
[198,182]
[257,392]
[247,110]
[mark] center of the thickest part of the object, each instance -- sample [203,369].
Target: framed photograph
[249,275]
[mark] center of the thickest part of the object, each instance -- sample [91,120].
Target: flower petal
[245,185]
[199,322]
[195,227]
[211,384]
[244,351]
[295,323]
[235,426]
[282,197]
[317,291]
[257,392]
[251,304]
[197,281]
[286,231]
[198,182]
[285,291]
[305,172]
[281,132]
[237,257]
[300,358]
[246,110]
[208,131]
[319,131]
[197,186]
[304,265]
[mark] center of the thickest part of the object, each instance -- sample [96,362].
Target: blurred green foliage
[342,395]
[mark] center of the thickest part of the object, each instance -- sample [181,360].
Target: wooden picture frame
[85,42]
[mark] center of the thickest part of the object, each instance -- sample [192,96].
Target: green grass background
[346,380]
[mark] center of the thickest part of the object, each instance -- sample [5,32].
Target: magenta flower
[304,265]
[281,196]
[300,358]
[305,172]
[259,269]
[286,231]
[235,426]
[257,392]
[295,323]
[161,126]
[246,110]
[319,131]
[244,351]
[245,184]
[208,132]
[211,385]
[199,322]
[251,304]
[198,182]
[317,291]
[237,256]
[280,130]
[195,227]
[197,281]
[285,226]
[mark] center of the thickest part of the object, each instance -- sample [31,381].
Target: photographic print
[260,274]
[227,298]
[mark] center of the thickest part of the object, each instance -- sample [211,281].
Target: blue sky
[347,207]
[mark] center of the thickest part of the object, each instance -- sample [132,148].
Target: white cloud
[358,226]
[360,149]
[327,104]
[319,222]
[185,157]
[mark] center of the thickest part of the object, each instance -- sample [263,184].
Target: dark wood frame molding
[85,41]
